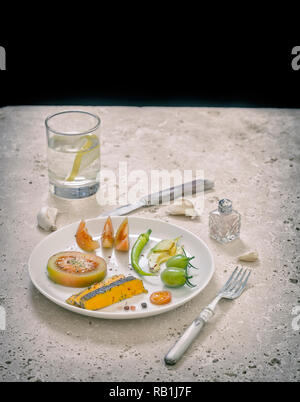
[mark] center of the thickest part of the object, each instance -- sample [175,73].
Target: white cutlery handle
[186,339]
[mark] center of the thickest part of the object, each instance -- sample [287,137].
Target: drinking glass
[73,153]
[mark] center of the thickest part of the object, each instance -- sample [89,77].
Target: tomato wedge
[122,236]
[84,239]
[107,238]
[161,297]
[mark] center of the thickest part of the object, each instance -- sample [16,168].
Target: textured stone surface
[253,155]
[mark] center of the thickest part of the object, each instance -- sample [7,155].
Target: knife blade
[166,195]
[125,209]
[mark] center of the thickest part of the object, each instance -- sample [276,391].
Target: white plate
[118,263]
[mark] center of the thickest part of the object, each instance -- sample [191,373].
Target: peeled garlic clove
[186,207]
[180,208]
[176,210]
[249,257]
[192,212]
[46,218]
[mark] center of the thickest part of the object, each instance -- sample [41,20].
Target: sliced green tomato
[172,250]
[156,259]
[76,269]
[179,250]
[164,245]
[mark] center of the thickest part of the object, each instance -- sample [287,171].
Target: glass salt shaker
[224,222]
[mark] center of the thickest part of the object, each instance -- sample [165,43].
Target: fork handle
[187,338]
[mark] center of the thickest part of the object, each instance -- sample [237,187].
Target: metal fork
[232,289]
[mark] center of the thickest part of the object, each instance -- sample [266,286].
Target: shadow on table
[74,210]
[234,249]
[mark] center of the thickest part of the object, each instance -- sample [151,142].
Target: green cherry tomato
[175,277]
[178,261]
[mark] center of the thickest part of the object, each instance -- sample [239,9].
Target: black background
[173,69]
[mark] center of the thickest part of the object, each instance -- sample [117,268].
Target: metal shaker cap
[225,206]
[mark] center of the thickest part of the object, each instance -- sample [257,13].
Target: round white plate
[119,263]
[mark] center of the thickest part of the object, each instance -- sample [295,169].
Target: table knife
[160,197]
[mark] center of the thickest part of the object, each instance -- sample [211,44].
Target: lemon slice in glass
[85,156]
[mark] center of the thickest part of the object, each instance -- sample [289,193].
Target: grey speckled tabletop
[254,157]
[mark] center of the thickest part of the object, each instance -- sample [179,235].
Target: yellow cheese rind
[74,300]
[71,300]
[116,291]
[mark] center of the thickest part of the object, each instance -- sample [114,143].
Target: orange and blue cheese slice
[116,291]
[74,300]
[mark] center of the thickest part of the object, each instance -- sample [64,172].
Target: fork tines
[237,280]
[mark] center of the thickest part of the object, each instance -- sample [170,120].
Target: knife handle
[182,190]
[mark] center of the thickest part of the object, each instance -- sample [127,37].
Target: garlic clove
[249,257]
[46,218]
[191,212]
[185,207]
[176,210]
